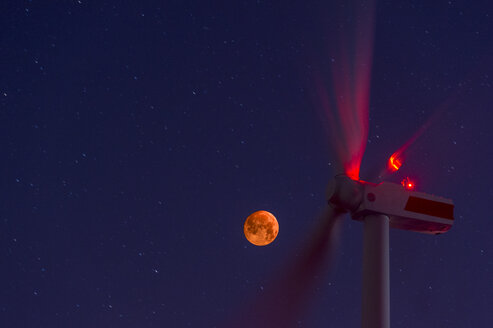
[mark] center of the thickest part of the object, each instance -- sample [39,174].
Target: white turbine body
[381,206]
[407,210]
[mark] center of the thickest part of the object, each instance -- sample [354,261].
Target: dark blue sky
[136,138]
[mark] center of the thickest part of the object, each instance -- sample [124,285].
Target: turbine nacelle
[406,209]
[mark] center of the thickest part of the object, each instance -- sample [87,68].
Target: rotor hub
[344,193]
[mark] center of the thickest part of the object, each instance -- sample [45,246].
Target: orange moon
[261,228]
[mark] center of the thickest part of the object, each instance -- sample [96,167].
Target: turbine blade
[345,98]
[283,301]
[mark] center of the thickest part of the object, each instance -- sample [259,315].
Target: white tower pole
[375,311]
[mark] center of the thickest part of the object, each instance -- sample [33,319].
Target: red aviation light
[395,162]
[408,184]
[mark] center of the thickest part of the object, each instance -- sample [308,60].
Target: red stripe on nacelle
[430,207]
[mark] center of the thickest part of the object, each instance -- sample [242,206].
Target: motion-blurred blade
[346,98]
[283,301]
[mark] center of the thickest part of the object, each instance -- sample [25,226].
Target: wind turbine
[378,206]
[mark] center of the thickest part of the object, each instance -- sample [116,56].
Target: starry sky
[136,137]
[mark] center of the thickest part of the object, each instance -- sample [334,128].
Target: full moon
[261,228]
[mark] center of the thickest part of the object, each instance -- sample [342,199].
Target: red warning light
[394,162]
[408,184]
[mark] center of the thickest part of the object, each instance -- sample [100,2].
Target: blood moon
[261,228]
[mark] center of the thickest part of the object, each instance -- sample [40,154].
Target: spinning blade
[284,300]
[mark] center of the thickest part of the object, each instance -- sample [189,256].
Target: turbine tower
[381,206]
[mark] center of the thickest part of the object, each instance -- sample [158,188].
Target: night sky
[136,137]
